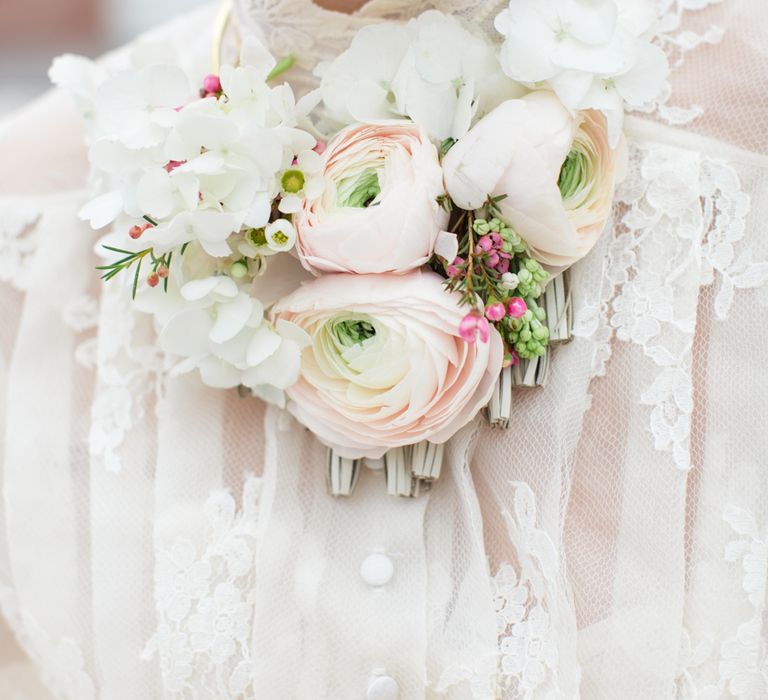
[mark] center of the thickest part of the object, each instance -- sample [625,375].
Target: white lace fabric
[166,540]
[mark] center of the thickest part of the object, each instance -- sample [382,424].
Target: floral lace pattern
[528,600]
[677,42]
[17,240]
[204,610]
[129,369]
[60,661]
[527,606]
[742,661]
[744,656]
[680,219]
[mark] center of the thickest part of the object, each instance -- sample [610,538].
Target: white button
[377,569]
[383,688]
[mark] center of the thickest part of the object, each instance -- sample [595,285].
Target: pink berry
[211,84]
[153,280]
[485,243]
[136,231]
[495,312]
[517,307]
[162,271]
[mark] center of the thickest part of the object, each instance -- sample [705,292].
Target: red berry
[153,280]
[162,271]
[135,232]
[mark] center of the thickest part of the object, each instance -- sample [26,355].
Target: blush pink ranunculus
[379,210]
[386,366]
[519,150]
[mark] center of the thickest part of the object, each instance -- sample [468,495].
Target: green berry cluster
[528,336]
[532,278]
[513,244]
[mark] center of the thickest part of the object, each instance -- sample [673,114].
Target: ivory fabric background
[164,540]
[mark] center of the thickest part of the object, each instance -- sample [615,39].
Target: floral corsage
[386,256]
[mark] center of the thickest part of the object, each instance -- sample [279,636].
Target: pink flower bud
[135,232]
[485,243]
[492,260]
[495,312]
[153,280]
[320,147]
[473,325]
[517,307]
[496,240]
[211,84]
[503,266]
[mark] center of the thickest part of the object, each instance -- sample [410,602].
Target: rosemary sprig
[131,258]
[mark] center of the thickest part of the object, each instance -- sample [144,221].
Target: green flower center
[351,332]
[359,191]
[573,174]
[293,181]
[257,237]
[280,238]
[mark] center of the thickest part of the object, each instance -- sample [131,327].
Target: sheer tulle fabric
[162,539]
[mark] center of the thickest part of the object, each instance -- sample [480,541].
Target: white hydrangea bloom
[431,70]
[594,55]
[216,326]
[189,183]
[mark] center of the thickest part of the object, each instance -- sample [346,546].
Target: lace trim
[130,368]
[679,221]
[18,240]
[677,43]
[742,661]
[203,604]
[59,661]
[528,603]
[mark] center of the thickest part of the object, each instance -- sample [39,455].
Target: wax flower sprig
[500,282]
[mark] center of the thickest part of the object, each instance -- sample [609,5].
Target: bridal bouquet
[385,256]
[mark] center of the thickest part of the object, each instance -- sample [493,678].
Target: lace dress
[161,539]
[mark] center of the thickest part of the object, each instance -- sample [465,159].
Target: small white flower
[594,55]
[432,70]
[302,180]
[280,235]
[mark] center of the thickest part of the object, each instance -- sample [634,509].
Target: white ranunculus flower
[432,70]
[594,55]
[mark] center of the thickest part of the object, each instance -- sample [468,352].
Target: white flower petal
[645,80]
[199,289]
[310,161]
[226,288]
[231,318]
[290,204]
[154,194]
[264,343]
[186,333]
[294,333]
[447,246]
[218,374]
[103,210]
[258,214]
